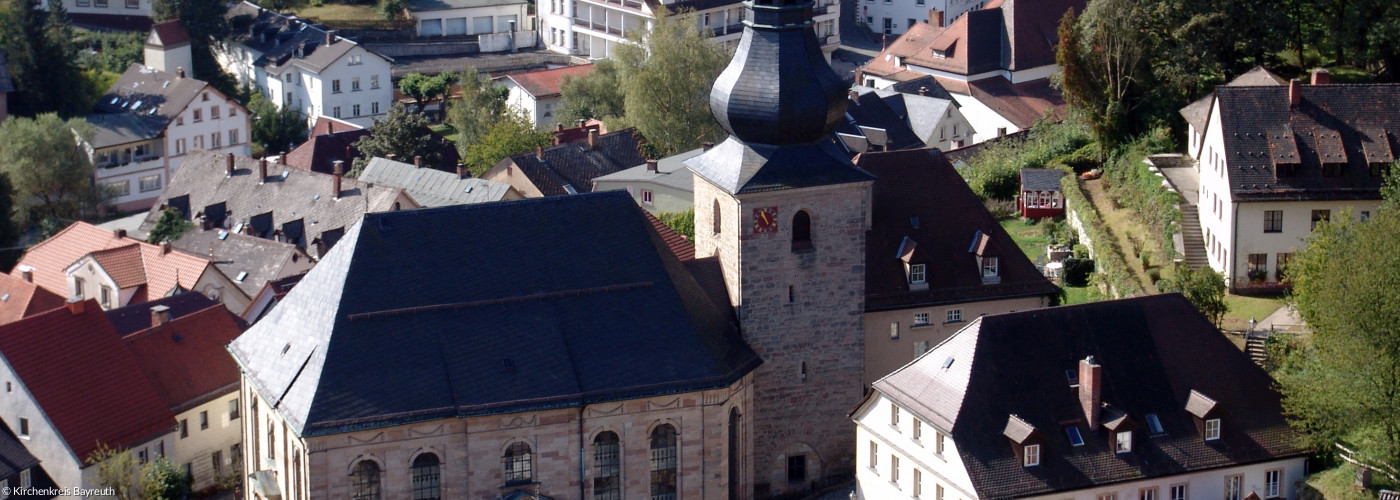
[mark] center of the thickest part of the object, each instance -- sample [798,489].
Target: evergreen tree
[41,58]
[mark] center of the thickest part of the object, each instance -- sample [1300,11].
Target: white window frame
[1212,429]
[920,319]
[875,457]
[1123,442]
[954,316]
[1234,487]
[894,470]
[894,330]
[24,479]
[646,197]
[335,86]
[1147,494]
[918,431]
[918,274]
[989,267]
[894,416]
[1031,456]
[1273,479]
[1178,492]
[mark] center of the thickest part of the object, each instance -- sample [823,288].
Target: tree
[51,175]
[1103,66]
[400,133]
[666,75]
[682,223]
[1203,287]
[480,106]
[170,227]
[276,130]
[9,232]
[595,95]
[426,89]
[162,480]
[390,10]
[1345,384]
[116,469]
[41,58]
[206,23]
[510,135]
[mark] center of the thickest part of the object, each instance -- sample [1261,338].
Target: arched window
[518,463]
[271,440]
[715,215]
[253,409]
[427,477]
[801,231]
[735,451]
[663,462]
[296,475]
[365,482]
[606,467]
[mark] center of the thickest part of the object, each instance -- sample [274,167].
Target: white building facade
[594,28]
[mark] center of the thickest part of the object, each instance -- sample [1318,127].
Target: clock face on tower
[765,220]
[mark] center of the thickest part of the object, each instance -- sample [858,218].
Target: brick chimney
[592,138]
[76,306]
[330,127]
[581,122]
[337,175]
[651,165]
[1091,391]
[119,233]
[262,170]
[558,137]
[165,247]
[417,161]
[27,273]
[228,161]
[935,17]
[282,160]
[461,171]
[1295,92]
[539,152]
[1001,131]
[180,72]
[706,146]
[159,315]
[330,37]
[1321,76]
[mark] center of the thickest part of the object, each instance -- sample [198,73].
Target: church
[573,347]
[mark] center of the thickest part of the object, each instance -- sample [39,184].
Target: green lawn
[1242,308]
[446,131]
[1339,483]
[1077,295]
[1027,236]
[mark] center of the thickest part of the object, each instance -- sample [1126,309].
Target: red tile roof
[169,34]
[682,247]
[88,384]
[1022,103]
[19,299]
[129,261]
[123,264]
[51,257]
[185,357]
[546,83]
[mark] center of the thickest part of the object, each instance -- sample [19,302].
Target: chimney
[330,37]
[180,72]
[923,90]
[330,127]
[119,233]
[592,138]
[539,152]
[1001,131]
[76,306]
[165,247]
[159,315]
[338,175]
[417,161]
[1295,92]
[558,138]
[935,17]
[651,165]
[581,122]
[228,161]
[282,160]
[27,273]
[558,127]
[705,146]
[461,171]
[853,95]
[262,170]
[1321,76]
[1090,391]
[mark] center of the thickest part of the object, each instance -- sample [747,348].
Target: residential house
[571,167]
[470,17]
[84,261]
[894,17]
[556,326]
[249,261]
[1275,160]
[20,470]
[307,209]
[435,188]
[78,386]
[891,119]
[167,48]
[935,259]
[124,15]
[333,139]
[594,28]
[1135,398]
[137,317]
[996,61]
[148,122]
[20,297]
[1197,114]
[299,65]
[658,186]
[537,93]
[579,132]
[1040,193]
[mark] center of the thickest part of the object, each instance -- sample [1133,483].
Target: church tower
[786,213]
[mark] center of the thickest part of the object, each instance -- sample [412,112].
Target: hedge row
[1135,186]
[1111,272]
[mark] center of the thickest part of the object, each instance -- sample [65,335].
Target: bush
[994,173]
[1000,209]
[1057,232]
[1077,271]
[680,222]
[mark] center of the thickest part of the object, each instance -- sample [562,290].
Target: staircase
[1254,346]
[1195,251]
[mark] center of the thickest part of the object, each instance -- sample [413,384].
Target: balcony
[630,4]
[725,30]
[597,26]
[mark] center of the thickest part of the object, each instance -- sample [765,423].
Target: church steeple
[778,89]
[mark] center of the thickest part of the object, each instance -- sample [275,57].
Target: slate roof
[169,34]
[925,83]
[548,302]
[1198,112]
[433,188]
[870,115]
[146,91]
[1041,179]
[670,172]
[739,167]
[112,129]
[19,298]
[14,457]
[185,358]
[50,259]
[279,38]
[246,260]
[85,380]
[302,200]
[922,183]
[575,165]
[1351,125]
[546,83]
[334,139]
[1153,351]
[136,317]
[919,114]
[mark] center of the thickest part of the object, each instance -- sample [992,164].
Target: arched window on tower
[365,483]
[606,467]
[801,231]
[518,464]
[663,462]
[427,477]
[714,214]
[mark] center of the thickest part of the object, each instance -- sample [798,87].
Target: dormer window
[917,274]
[1032,455]
[1212,429]
[1025,440]
[989,267]
[1123,442]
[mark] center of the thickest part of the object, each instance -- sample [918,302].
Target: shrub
[1077,271]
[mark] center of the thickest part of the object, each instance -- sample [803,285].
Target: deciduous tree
[52,177]
[1203,287]
[277,130]
[595,95]
[170,227]
[480,106]
[426,89]
[666,74]
[511,134]
[401,133]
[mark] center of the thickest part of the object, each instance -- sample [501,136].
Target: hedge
[1111,273]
